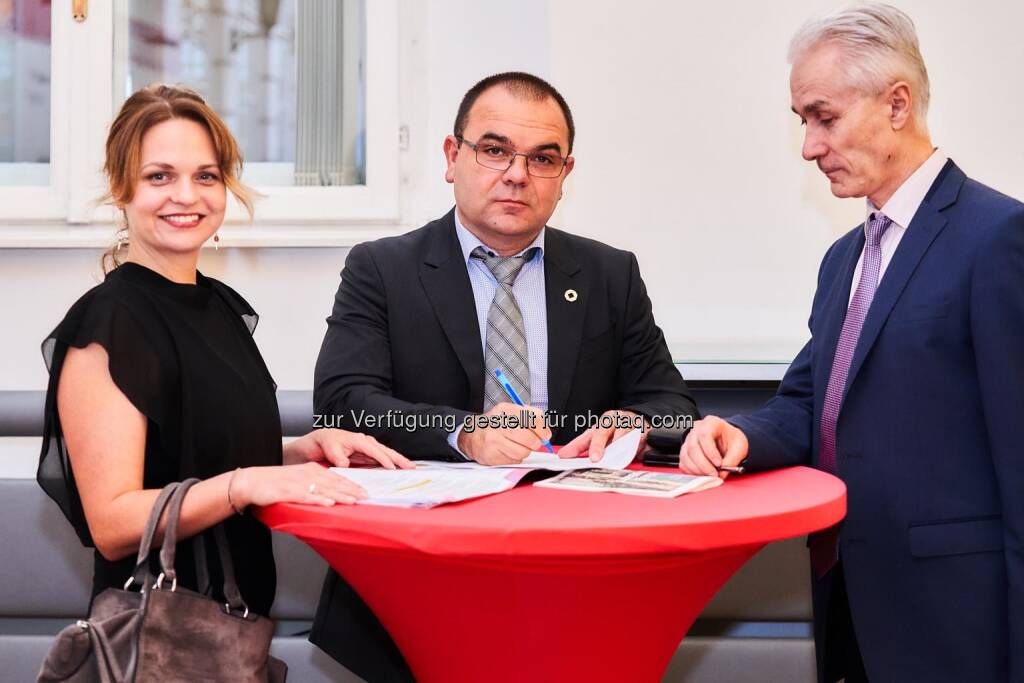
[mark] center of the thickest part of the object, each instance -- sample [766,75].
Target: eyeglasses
[547,164]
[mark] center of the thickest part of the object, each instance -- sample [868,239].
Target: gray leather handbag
[163,632]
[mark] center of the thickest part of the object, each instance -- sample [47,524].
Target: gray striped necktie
[505,345]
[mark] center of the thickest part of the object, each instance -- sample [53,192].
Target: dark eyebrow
[170,167]
[497,138]
[550,145]
[501,139]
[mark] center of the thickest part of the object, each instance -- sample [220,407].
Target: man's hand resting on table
[511,441]
[712,443]
[609,428]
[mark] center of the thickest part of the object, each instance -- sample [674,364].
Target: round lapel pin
[571,295]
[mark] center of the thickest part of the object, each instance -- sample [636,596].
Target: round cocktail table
[539,584]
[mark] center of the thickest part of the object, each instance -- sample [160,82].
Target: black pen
[738,469]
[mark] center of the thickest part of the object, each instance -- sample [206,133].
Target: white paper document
[617,456]
[426,488]
[653,484]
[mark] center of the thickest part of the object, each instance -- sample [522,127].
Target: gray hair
[879,44]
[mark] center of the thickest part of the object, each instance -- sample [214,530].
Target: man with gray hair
[911,388]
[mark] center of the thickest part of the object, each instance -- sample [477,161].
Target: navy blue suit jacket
[929,440]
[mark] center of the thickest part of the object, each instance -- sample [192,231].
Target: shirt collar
[468,241]
[904,203]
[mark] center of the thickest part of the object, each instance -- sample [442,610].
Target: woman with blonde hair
[155,377]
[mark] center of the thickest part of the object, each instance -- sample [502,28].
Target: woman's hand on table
[712,443]
[343,449]
[304,479]
[309,483]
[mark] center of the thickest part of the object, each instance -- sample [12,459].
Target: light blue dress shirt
[529,293]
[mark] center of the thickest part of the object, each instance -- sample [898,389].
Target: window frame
[84,64]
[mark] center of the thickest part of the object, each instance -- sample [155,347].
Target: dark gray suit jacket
[404,336]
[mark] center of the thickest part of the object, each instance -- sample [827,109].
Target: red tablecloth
[542,584]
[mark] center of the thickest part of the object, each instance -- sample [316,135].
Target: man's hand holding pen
[713,448]
[518,431]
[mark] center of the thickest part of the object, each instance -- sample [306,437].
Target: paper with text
[426,488]
[653,484]
[618,455]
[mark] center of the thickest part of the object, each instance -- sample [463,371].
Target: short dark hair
[520,84]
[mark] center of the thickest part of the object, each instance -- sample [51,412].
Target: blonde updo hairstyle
[146,108]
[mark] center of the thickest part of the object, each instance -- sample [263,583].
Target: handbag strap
[231,592]
[172,497]
[170,544]
[145,545]
[106,660]
[167,552]
[202,570]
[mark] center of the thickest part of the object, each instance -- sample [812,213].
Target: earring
[122,238]
[216,241]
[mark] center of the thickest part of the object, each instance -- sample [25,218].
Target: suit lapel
[565,318]
[446,282]
[927,223]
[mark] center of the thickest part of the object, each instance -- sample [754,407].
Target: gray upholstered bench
[45,576]
[756,629]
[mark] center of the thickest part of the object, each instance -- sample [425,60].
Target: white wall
[687,154]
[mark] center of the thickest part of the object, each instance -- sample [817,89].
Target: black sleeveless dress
[185,357]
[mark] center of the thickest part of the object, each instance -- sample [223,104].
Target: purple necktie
[825,544]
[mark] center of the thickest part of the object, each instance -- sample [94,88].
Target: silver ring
[312,488]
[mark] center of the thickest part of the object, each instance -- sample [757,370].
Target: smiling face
[851,136]
[179,197]
[507,209]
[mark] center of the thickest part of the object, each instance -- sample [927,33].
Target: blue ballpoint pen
[503,381]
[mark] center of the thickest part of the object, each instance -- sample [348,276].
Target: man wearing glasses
[422,322]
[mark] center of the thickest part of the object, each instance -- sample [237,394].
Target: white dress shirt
[901,208]
[529,292]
